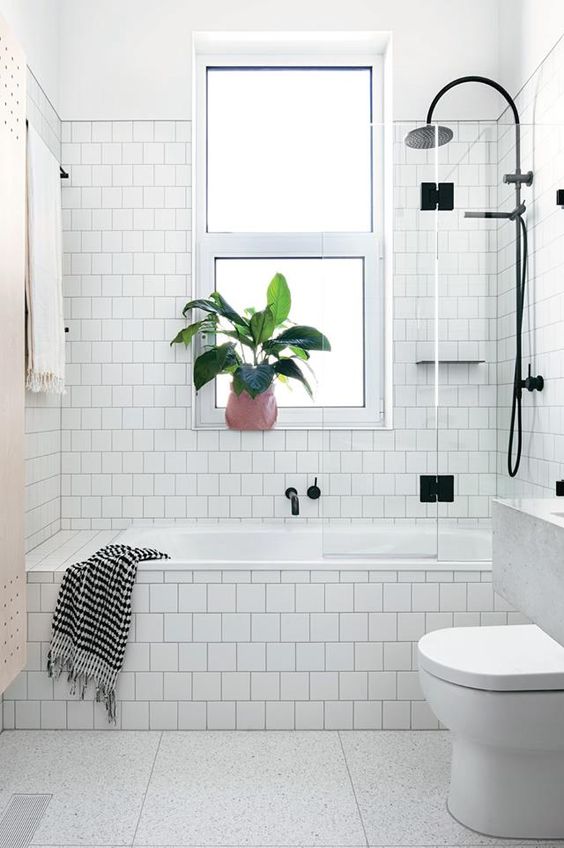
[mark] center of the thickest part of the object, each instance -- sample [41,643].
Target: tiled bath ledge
[255,649]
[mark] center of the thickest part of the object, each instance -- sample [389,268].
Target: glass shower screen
[380,455]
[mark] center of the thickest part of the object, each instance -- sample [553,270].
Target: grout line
[352,785]
[147,788]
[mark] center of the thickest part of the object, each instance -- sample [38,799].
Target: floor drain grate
[21,819]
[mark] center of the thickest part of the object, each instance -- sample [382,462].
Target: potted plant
[262,347]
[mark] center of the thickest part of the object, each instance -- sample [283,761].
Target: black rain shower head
[429,136]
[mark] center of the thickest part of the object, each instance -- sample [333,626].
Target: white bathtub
[312,547]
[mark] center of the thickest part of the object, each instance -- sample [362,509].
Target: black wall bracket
[437,196]
[436,488]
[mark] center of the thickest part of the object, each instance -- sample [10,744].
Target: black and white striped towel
[92,618]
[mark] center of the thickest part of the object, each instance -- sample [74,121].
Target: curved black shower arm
[485,81]
[493,84]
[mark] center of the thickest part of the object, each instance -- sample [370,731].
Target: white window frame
[215,51]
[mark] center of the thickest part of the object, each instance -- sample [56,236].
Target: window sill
[300,426]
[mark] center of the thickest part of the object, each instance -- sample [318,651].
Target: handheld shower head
[429,136]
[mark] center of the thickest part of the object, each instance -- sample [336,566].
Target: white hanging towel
[45,331]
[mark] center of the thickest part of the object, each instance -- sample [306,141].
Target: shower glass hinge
[437,196]
[436,488]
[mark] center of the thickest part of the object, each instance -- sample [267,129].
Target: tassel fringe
[81,668]
[37,381]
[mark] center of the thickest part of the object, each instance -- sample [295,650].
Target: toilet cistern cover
[508,658]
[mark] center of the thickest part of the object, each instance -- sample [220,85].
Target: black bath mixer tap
[292,494]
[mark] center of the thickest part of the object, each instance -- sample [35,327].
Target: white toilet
[501,692]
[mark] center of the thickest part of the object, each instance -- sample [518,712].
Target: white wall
[35,24]
[528,30]
[132,59]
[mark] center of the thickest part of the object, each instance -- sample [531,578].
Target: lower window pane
[327,294]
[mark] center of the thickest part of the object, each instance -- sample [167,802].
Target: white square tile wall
[260,650]
[282,650]
[129,452]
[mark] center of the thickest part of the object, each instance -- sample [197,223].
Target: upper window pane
[289,150]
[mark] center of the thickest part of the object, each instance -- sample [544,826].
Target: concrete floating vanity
[528,559]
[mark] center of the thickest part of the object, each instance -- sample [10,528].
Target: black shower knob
[314,492]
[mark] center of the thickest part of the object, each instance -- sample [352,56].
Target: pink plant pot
[246,413]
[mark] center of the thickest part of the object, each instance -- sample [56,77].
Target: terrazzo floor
[263,789]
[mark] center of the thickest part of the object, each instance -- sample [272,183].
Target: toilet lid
[499,659]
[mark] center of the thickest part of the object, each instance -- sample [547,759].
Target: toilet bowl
[500,690]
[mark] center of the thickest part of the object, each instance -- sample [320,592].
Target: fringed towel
[45,331]
[92,618]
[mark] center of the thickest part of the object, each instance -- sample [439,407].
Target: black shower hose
[513,467]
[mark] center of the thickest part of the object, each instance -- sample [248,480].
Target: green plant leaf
[227,311]
[187,333]
[253,379]
[217,306]
[279,298]
[289,368]
[215,361]
[239,336]
[203,304]
[262,325]
[300,352]
[306,338]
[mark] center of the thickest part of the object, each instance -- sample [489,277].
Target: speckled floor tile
[97,781]
[236,789]
[401,783]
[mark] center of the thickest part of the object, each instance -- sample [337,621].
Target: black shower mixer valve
[532,383]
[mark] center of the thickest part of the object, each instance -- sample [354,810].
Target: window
[289,163]
[278,134]
[317,286]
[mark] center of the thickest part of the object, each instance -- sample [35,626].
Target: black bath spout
[292,494]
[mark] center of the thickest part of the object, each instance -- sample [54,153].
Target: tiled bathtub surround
[129,451]
[42,411]
[262,649]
